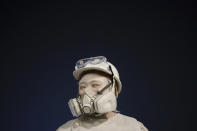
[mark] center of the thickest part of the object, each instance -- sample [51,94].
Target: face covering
[92,102]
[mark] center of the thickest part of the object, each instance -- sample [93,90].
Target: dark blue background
[150,42]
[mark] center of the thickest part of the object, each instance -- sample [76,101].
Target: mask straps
[108,85]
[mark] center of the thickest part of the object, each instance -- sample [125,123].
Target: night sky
[150,42]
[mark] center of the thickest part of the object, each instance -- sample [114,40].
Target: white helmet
[99,63]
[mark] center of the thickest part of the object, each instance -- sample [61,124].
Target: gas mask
[94,102]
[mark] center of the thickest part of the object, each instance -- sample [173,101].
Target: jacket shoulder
[133,122]
[142,127]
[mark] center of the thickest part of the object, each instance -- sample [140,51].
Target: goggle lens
[93,60]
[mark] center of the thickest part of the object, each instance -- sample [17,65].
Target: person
[96,103]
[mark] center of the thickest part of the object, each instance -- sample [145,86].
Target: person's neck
[110,114]
[103,116]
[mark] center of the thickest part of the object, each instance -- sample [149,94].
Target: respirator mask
[94,102]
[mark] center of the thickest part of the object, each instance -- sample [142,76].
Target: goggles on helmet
[93,60]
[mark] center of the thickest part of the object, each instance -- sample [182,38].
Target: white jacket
[118,122]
